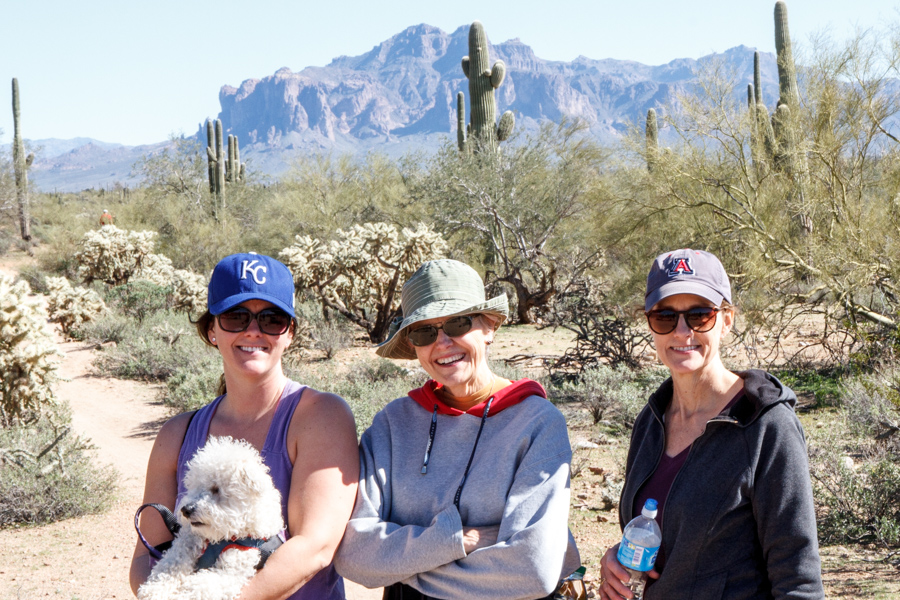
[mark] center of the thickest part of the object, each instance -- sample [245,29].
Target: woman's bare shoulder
[171,434]
[323,404]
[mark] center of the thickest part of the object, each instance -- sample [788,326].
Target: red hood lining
[503,399]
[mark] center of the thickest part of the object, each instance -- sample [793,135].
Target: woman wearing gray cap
[464,483]
[722,453]
[306,438]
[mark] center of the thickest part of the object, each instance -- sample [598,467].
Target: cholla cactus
[156,269]
[361,273]
[29,359]
[71,306]
[189,292]
[113,255]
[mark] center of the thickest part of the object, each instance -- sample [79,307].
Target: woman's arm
[323,488]
[784,509]
[377,552]
[528,557]
[160,487]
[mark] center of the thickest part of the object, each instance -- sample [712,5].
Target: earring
[489,342]
[213,340]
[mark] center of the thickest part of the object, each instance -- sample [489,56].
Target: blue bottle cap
[651,504]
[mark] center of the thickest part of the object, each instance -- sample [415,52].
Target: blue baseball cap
[250,276]
[687,271]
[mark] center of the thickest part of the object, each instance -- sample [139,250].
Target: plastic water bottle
[640,545]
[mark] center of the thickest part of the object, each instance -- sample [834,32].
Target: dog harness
[212,551]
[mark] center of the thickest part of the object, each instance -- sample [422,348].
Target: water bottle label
[636,557]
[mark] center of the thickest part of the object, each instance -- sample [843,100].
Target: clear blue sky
[134,72]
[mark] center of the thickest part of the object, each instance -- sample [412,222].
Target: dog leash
[265,546]
[168,518]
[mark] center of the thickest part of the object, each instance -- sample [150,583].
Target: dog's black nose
[188,509]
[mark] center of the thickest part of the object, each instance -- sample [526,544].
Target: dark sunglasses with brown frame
[427,334]
[271,321]
[700,318]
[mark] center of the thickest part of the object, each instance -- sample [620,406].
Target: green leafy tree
[176,170]
[521,211]
[817,239]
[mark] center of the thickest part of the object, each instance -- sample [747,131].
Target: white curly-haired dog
[230,499]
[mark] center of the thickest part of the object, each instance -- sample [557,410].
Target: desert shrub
[612,394]
[330,337]
[859,502]
[360,275]
[194,385]
[29,359]
[36,277]
[189,292]
[113,255]
[367,386]
[824,385]
[138,299]
[71,307]
[157,269]
[46,475]
[113,327]
[604,332]
[6,240]
[855,463]
[154,349]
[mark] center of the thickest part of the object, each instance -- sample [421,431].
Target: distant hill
[401,96]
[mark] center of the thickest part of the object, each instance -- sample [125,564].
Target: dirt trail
[88,558]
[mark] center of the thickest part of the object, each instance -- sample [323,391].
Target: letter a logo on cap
[681,266]
[247,265]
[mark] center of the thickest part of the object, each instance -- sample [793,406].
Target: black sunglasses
[701,319]
[427,334]
[271,321]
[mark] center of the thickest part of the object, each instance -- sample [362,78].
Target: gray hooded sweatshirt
[406,526]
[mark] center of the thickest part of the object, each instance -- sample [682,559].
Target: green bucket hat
[439,288]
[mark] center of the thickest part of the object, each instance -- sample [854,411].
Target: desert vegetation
[799,196]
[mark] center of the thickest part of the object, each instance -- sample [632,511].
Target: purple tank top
[326,584]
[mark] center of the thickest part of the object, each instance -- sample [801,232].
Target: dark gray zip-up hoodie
[739,520]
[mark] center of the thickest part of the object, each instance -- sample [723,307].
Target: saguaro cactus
[234,172]
[20,164]
[757,79]
[461,121]
[652,134]
[211,155]
[220,162]
[787,73]
[483,80]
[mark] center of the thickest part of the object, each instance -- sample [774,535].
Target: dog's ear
[251,476]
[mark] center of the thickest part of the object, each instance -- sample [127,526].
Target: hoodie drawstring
[430,439]
[484,417]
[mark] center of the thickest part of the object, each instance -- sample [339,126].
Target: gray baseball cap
[439,288]
[687,271]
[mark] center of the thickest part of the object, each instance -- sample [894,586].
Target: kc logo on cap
[248,265]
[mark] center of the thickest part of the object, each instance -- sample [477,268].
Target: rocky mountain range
[401,96]
[403,93]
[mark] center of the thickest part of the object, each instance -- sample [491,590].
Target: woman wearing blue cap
[464,486]
[307,438]
[722,453]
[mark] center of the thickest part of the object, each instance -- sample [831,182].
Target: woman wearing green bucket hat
[464,483]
